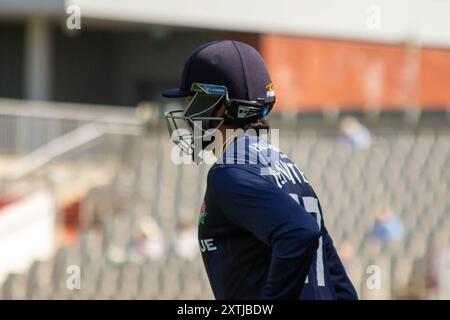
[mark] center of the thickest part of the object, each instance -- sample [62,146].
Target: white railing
[26,126]
[37,133]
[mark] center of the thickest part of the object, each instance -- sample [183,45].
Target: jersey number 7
[312,206]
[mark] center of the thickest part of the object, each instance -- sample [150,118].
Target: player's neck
[226,137]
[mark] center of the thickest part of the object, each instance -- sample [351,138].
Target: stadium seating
[406,168]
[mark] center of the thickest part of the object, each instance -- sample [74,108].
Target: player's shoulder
[225,178]
[232,173]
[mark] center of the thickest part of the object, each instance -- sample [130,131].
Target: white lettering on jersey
[284,172]
[207,245]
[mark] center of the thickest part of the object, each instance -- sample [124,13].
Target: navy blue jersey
[261,229]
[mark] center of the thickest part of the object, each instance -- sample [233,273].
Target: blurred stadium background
[86,179]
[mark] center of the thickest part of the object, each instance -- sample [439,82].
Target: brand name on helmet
[270,91]
[209,89]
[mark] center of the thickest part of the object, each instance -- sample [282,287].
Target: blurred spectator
[148,241]
[388,228]
[186,243]
[354,134]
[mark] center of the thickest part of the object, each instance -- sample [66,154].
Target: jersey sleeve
[341,283]
[254,203]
